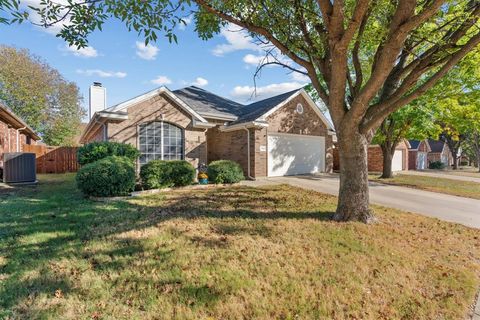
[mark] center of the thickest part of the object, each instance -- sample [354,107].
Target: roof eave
[100,118]
[17,123]
[245,125]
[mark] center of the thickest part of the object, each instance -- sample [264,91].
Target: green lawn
[226,253]
[462,171]
[443,185]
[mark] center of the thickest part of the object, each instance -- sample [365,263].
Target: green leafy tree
[366,59]
[455,104]
[40,96]
[411,122]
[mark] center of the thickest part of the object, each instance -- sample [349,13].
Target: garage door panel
[294,154]
[397,161]
[422,161]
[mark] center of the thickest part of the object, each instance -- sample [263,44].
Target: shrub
[107,177]
[436,165]
[98,150]
[162,174]
[225,171]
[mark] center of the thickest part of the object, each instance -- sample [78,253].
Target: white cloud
[251,93]
[300,77]
[161,80]
[146,52]
[237,39]
[87,52]
[34,17]
[188,20]
[200,82]
[102,73]
[254,59]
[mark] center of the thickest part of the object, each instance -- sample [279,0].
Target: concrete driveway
[445,207]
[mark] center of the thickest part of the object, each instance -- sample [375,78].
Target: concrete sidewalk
[442,206]
[444,175]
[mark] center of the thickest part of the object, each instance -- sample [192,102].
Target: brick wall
[8,139]
[412,159]
[230,145]
[287,120]
[159,108]
[375,158]
[413,155]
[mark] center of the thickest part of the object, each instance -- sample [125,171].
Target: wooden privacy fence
[54,159]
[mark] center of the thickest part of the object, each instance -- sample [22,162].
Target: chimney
[98,98]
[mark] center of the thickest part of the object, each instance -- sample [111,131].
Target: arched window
[160,141]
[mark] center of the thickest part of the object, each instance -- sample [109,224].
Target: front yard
[459,188]
[226,253]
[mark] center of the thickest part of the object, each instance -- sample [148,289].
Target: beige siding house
[283,135]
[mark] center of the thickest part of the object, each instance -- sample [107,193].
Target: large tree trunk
[455,160]
[353,199]
[387,162]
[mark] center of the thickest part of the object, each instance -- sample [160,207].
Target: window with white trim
[160,141]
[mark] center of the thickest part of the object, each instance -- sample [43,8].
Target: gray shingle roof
[414,144]
[255,110]
[207,103]
[436,145]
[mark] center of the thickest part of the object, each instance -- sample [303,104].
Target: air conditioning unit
[19,167]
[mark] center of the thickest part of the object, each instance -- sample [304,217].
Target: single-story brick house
[375,158]
[439,152]
[418,154]
[14,133]
[283,135]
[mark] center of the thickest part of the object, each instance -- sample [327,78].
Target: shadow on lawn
[41,225]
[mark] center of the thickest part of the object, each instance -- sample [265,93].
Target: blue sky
[224,65]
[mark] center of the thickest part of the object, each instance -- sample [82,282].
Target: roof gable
[436,145]
[151,94]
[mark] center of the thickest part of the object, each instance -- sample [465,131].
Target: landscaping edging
[155,191]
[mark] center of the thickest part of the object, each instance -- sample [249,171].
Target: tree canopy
[366,59]
[40,96]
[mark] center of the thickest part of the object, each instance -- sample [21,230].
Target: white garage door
[397,161]
[290,154]
[421,161]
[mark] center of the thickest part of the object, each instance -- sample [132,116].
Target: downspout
[248,154]
[18,130]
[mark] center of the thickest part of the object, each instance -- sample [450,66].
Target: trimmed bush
[98,150]
[162,174]
[225,171]
[107,177]
[436,165]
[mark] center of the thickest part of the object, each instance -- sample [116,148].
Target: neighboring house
[283,135]
[418,154]
[439,152]
[399,160]
[14,133]
[375,158]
